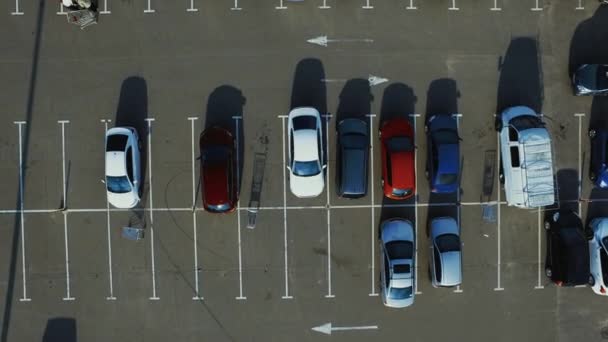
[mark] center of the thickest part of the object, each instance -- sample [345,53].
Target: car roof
[115,164]
[449,159]
[215,182]
[353,172]
[305,145]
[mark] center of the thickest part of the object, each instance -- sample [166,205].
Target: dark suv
[567,262]
[353,153]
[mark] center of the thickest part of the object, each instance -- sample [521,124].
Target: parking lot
[171,70]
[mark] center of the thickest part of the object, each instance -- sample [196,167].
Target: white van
[527,164]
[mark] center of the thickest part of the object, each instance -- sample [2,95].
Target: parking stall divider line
[61,11]
[498,161]
[495,7]
[324,6]
[149,9]
[580,161]
[236,6]
[238,207]
[17,11]
[154,296]
[536,7]
[328,207]
[372,206]
[539,285]
[453,7]
[193,209]
[367,5]
[286,296]
[411,6]
[110,274]
[580,6]
[281,6]
[192,8]
[105,8]
[414,116]
[458,195]
[24,297]
[68,296]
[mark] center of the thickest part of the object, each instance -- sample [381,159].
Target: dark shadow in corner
[588,43]
[398,100]
[308,89]
[60,329]
[224,104]
[567,189]
[442,98]
[598,205]
[397,209]
[520,81]
[355,100]
[599,113]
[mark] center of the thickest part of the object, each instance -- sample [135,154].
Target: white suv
[122,174]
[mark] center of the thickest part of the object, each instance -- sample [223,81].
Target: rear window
[447,178]
[353,141]
[445,136]
[399,144]
[526,121]
[304,122]
[399,250]
[401,269]
[117,143]
[400,292]
[216,154]
[448,243]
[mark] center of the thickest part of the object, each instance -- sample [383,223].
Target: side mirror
[324,166]
[103,181]
[288,168]
[135,182]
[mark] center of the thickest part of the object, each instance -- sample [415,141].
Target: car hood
[311,186]
[125,200]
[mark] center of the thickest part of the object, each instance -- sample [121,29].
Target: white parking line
[192,8]
[373,237]
[414,116]
[149,9]
[539,284]
[580,5]
[111,296]
[498,161]
[154,296]
[194,227]
[65,214]
[238,206]
[536,7]
[324,6]
[580,162]
[281,5]
[367,5]
[495,7]
[411,6]
[24,298]
[286,296]
[328,211]
[16,11]
[61,11]
[454,8]
[105,8]
[236,6]
[458,116]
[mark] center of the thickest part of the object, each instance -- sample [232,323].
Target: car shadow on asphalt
[60,329]
[398,101]
[588,43]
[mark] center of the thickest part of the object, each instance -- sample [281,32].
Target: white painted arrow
[373,80]
[323,40]
[327,328]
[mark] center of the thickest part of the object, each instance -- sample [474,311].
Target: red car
[398,173]
[218,170]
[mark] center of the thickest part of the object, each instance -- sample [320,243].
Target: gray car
[591,79]
[397,276]
[353,154]
[446,255]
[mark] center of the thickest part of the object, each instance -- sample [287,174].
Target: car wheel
[548,272]
[547,225]
[592,133]
[592,176]
[591,280]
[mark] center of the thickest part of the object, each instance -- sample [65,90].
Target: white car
[306,178]
[122,176]
[397,266]
[598,254]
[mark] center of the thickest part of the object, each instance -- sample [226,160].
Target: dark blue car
[443,160]
[598,170]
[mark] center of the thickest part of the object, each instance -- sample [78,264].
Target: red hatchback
[398,173]
[218,170]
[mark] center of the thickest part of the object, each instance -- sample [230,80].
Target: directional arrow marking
[327,328]
[373,80]
[323,40]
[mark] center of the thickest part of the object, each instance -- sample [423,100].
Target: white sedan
[122,176]
[305,166]
[397,266]
[598,254]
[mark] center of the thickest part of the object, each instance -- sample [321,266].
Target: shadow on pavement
[398,101]
[308,89]
[588,43]
[60,329]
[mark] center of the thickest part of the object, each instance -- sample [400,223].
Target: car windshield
[401,192]
[448,243]
[447,178]
[304,122]
[445,136]
[399,144]
[353,141]
[116,143]
[118,185]
[219,208]
[400,292]
[306,169]
[215,154]
[399,250]
[526,121]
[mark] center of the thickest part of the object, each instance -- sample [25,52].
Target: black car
[353,154]
[591,79]
[567,262]
[598,168]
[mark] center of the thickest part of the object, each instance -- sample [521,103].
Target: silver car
[397,266]
[598,254]
[446,256]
